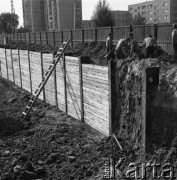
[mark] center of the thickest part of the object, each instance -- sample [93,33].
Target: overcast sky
[87,6]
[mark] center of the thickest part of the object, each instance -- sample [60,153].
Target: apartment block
[122,18]
[52,15]
[156,11]
[33,14]
[50,12]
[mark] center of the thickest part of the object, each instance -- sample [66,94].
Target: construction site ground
[51,145]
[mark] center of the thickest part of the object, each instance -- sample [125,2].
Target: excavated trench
[161,120]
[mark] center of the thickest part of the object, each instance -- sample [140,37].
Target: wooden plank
[30,73]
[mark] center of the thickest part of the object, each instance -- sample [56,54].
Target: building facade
[122,18]
[33,14]
[156,11]
[52,15]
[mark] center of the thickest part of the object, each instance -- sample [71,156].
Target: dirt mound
[95,50]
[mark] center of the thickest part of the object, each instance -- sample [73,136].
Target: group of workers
[128,48]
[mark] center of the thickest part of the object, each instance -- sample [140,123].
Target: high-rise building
[77,14]
[63,14]
[156,11]
[33,14]
[52,15]
[122,18]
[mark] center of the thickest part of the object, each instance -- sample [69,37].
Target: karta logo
[154,170]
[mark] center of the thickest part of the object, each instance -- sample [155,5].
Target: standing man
[134,48]
[174,41]
[109,43]
[149,44]
[121,50]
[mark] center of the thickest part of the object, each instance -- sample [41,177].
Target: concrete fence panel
[43,37]
[89,35]
[50,38]
[102,33]
[32,38]
[58,38]
[38,37]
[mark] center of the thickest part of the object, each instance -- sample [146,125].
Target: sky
[88,7]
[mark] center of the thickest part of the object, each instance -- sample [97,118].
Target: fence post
[34,37]
[62,36]
[81,89]
[71,39]
[155,32]
[42,74]
[112,97]
[55,82]
[7,65]
[12,65]
[47,38]
[30,73]
[131,28]
[96,34]
[40,38]
[65,88]
[54,43]
[150,82]
[29,38]
[25,38]
[20,68]
[82,35]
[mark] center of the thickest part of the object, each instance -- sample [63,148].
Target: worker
[109,43]
[134,47]
[149,44]
[121,49]
[174,41]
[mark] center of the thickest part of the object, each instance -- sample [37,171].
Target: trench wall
[80,90]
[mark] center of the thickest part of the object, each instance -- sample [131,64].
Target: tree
[102,15]
[23,29]
[139,20]
[8,22]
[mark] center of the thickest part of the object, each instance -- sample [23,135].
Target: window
[159,11]
[155,14]
[149,6]
[135,10]
[150,12]
[165,10]
[150,19]
[159,18]
[138,8]
[143,7]
[144,13]
[165,4]
[165,17]
[130,9]
[155,7]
